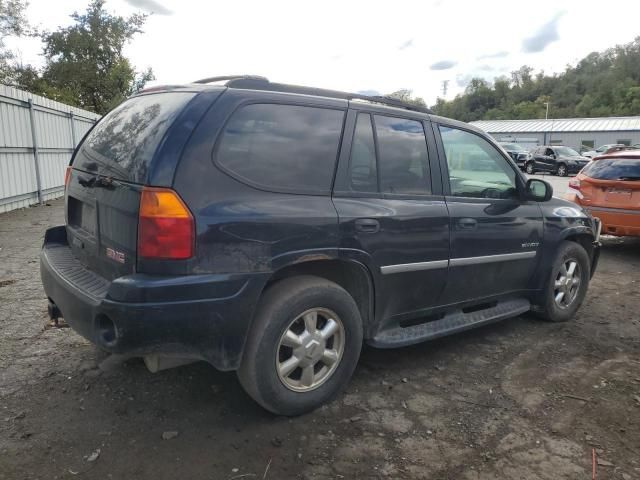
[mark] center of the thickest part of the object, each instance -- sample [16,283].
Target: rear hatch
[612,183]
[108,172]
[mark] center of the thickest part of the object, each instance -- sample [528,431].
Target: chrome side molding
[455,262]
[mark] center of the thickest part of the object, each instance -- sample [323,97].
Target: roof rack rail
[229,77]
[255,82]
[620,148]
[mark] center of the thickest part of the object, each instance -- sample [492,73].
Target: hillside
[601,84]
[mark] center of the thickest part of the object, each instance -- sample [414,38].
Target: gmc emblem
[115,255]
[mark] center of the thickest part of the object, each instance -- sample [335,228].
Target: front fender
[564,220]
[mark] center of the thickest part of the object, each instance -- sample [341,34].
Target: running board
[453,322]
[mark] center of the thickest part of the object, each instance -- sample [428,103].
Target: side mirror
[553,155]
[538,190]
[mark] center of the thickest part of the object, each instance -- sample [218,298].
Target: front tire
[303,346]
[567,284]
[562,170]
[530,168]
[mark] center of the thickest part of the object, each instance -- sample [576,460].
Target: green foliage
[12,23]
[85,65]
[601,84]
[406,96]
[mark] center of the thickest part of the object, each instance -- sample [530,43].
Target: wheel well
[354,277]
[583,239]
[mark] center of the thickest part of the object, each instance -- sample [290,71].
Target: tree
[601,84]
[12,23]
[406,96]
[85,64]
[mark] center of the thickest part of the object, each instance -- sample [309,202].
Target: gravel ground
[521,399]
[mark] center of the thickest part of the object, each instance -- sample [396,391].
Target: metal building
[37,138]
[578,133]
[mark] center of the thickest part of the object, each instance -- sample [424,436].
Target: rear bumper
[199,316]
[618,222]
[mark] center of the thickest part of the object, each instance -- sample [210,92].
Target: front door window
[476,168]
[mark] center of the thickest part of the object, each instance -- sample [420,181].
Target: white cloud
[355,45]
[150,6]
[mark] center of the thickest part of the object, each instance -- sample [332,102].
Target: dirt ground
[521,399]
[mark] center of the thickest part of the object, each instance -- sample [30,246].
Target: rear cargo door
[108,173]
[612,183]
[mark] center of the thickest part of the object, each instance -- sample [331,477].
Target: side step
[452,322]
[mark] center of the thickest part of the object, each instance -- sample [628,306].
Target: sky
[360,46]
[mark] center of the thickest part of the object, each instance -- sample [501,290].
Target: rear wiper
[629,178]
[96,181]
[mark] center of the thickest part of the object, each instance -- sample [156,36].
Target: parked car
[600,150]
[272,229]
[555,159]
[518,153]
[609,187]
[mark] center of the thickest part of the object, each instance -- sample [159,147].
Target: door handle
[367,225]
[467,223]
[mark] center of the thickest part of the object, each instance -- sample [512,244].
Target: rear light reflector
[67,176]
[166,230]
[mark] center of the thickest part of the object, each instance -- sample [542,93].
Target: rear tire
[290,364]
[567,284]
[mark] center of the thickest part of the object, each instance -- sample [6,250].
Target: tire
[551,310]
[279,312]
[562,170]
[530,168]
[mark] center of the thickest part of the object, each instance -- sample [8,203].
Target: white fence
[37,138]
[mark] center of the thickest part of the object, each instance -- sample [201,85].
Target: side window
[282,147]
[586,145]
[476,168]
[402,156]
[363,173]
[549,152]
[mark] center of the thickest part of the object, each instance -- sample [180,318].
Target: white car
[600,150]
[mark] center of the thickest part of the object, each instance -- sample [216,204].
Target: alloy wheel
[567,283]
[310,349]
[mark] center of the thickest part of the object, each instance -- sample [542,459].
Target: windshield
[569,152]
[614,169]
[514,147]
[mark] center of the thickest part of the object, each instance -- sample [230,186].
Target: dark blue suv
[272,229]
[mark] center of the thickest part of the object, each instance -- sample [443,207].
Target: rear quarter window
[123,143]
[613,169]
[289,148]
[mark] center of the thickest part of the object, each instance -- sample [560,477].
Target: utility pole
[546,115]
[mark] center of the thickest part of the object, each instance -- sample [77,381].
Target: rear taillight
[165,226]
[574,183]
[574,188]
[67,176]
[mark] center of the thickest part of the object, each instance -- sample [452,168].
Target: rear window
[403,157]
[278,147]
[613,169]
[123,143]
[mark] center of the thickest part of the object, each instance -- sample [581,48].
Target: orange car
[609,187]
